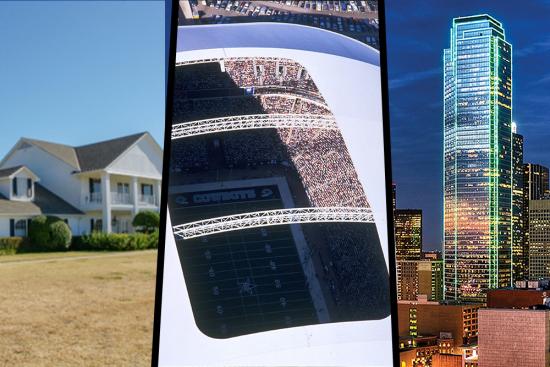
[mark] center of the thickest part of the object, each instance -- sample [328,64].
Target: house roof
[100,155]
[88,157]
[7,172]
[64,152]
[45,202]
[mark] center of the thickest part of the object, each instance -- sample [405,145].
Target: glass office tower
[519,256]
[535,187]
[477,159]
[408,234]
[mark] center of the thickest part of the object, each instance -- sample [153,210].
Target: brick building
[515,298]
[513,337]
[424,318]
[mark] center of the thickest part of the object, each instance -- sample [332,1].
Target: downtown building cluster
[496,235]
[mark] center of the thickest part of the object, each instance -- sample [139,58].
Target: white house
[100,186]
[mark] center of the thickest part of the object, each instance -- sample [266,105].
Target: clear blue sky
[80,72]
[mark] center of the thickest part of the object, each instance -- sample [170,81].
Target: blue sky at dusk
[80,72]
[418,31]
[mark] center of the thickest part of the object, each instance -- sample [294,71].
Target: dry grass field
[77,309]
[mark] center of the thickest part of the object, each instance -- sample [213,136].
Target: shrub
[48,233]
[146,221]
[60,235]
[10,245]
[100,241]
[39,233]
[153,239]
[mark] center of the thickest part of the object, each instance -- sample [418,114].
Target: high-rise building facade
[519,253]
[394,195]
[419,277]
[535,187]
[437,280]
[408,234]
[536,181]
[539,239]
[477,159]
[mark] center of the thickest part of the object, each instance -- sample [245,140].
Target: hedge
[100,241]
[10,245]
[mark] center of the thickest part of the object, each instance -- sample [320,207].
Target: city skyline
[424,126]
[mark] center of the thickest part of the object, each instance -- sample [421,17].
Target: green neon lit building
[477,179]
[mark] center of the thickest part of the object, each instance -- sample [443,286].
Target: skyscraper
[408,234]
[394,195]
[535,187]
[419,277]
[535,181]
[519,256]
[477,158]
[539,239]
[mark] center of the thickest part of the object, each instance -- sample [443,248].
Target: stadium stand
[317,159]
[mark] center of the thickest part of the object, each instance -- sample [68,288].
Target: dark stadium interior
[252,280]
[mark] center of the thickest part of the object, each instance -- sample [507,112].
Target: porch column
[159,190]
[106,201]
[135,196]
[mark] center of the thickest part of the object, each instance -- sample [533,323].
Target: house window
[146,189]
[95,185]
[122,195]
[123,188]
[21,228]
[14,184]
[95,190]
[29,187]
[96,225]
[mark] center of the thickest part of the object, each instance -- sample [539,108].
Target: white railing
[95,197]
[272,218]
[247,122]
[120,198]
[147,199]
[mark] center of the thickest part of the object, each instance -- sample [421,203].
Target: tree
[39,233]
[146,221]
[60,235]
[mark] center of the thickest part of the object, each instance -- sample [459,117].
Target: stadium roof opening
[274,35]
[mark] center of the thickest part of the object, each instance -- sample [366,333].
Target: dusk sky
[418,31]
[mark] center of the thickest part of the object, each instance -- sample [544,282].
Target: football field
[242,281]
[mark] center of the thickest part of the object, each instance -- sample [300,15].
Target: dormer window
[29,187]
[14,186]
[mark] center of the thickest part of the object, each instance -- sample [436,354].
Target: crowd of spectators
[252,148]
[258,72]
[189,155]
[354,249]
[319,156]
[198,109]
[186,110]
[324,166]
[200,76]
